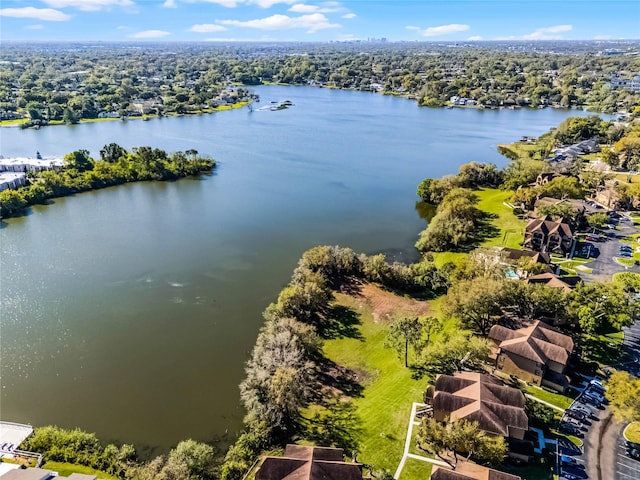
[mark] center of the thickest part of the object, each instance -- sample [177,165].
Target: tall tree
[401,334]
[112,152]
[460,437]
[454,353]
[79,160]
[477,303]
[623,393]
[430,326]
[600,306]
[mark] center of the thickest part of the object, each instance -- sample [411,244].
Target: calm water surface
[130,311]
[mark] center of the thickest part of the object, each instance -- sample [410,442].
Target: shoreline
[223,108]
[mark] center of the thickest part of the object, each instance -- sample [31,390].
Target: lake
[130,311]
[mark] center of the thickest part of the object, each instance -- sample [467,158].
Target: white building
[633,84]
[24,164]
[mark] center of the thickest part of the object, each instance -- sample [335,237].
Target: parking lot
[604,264]
[586,414]
[626,467]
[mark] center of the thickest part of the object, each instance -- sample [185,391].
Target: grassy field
[632,432]
[627,177]
[66,469]
[511,228]
[389,392]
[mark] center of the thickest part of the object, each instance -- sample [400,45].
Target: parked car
[567,460]
[595,394]
[578,415]
[580,407]
[591,400]
[634,453]
[632,445]
[569,476]
[624,254]
[568,428]
[592,238]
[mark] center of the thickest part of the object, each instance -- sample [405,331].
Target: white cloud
[445,29]
[46,14]
[150,34]
[207,28]
[349,16]
[35,27]
[226,3]
[303,8]
[122,27]
[602,37]
[325,7]
[548,33]
[475,38]
[89,5]
[170,4]
[412,27]
[269,3]
[235,3]
[312,23]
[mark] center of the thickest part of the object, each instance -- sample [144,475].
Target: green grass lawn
[549,396]
[632,432]
[415,469]
[511,227]
[66,469]
[385,405]
[627,177]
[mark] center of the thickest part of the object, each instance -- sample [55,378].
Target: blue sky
[299,20]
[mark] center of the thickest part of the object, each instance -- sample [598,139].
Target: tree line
[50,83]
[115,166]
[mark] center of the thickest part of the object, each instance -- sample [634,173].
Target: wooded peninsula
[81,173]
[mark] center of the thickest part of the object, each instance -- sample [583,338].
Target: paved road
[604,266]
[593,440]
[604,448]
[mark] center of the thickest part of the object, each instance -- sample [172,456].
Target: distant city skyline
[294,20]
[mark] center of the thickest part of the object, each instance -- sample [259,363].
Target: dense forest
[73,82]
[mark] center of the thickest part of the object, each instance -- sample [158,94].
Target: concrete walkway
[407,444]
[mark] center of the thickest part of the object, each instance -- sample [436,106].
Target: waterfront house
[309,463]
[535,353]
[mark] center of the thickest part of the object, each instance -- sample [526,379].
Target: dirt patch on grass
[387,306]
